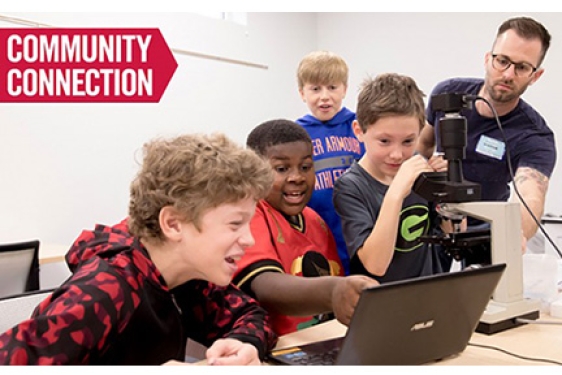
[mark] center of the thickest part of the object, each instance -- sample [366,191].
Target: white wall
[64,168]
[433,46]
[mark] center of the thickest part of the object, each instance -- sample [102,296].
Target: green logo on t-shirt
[414,223]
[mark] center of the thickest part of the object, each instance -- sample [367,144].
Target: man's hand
[230,352]
[346,294]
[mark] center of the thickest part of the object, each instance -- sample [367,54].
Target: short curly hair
[275,132]
[193,173]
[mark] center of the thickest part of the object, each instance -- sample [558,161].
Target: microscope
[455,199]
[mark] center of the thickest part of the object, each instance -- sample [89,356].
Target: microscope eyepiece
[450,187]
[451,102]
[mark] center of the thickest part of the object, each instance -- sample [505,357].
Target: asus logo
[422,325]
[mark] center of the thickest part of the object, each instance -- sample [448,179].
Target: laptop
[408,322]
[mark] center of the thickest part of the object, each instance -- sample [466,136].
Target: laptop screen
[409,322]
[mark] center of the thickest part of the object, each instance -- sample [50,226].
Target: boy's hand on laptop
[346,294]
[230,352]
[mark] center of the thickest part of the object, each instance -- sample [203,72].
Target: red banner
[75,65]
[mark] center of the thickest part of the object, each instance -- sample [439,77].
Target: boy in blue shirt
[322,79]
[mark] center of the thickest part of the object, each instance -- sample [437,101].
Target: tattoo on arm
[525,174]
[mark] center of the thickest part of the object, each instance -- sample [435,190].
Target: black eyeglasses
[522,69]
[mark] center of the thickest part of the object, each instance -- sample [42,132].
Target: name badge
[490,147]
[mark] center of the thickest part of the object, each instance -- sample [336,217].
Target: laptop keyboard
[313,359]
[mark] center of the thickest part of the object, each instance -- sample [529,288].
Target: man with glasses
[513,64]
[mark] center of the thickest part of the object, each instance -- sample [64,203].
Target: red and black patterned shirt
[117,309]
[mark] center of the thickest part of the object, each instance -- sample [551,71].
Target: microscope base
[500,317]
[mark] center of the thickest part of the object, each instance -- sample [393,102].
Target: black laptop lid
[419,320]
[408,322]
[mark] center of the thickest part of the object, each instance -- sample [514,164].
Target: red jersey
[306,248]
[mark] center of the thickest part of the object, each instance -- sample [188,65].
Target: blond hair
[322,68]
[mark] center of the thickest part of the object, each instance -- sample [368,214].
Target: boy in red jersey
[294,269]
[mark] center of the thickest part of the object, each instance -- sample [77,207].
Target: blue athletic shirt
[335,149]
